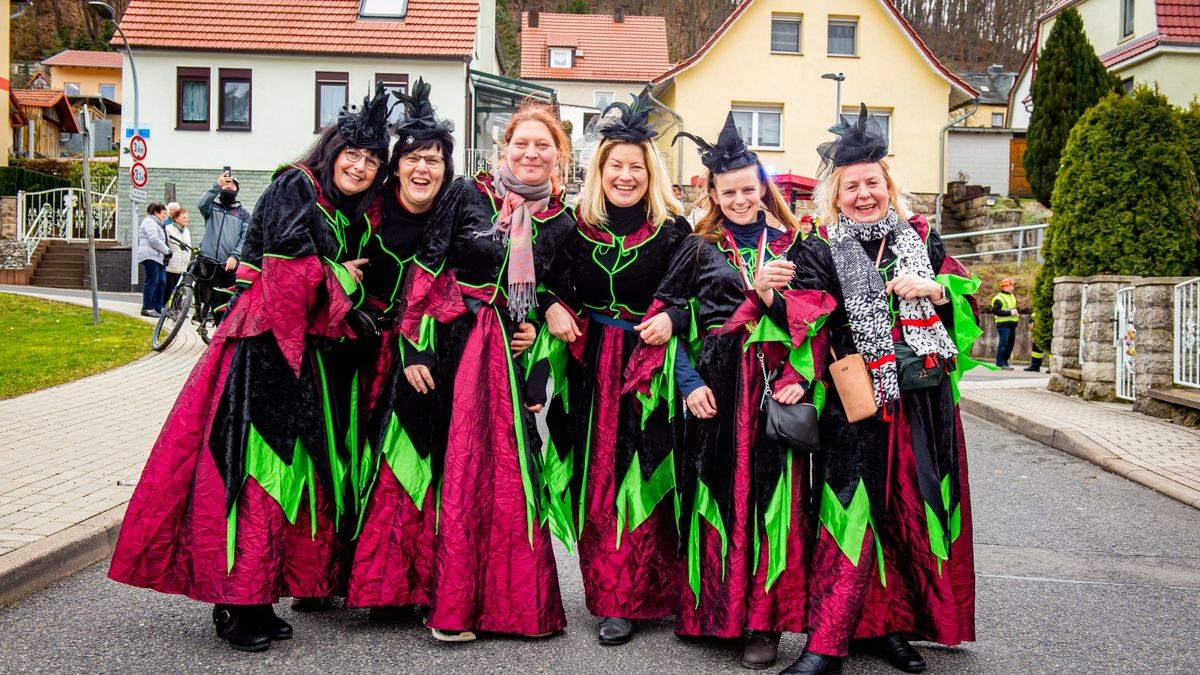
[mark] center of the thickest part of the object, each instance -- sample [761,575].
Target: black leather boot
[1035,364]
[760,650]
[812,663]
[897,651]
[237,625]
[615,631]
[275,627]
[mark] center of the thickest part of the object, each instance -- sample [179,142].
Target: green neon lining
[412,471]
[707,508]
[662,385]
[548,348]
[938,542]
[337,468]
[519,429]
[778,523]
[426,334]
[965,329]
[637,498]
[848,525]
[557,477]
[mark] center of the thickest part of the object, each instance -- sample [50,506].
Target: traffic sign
[138,148]
[138,195]
[139,175]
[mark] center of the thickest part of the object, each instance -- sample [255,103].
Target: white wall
[981,155]
[282,104]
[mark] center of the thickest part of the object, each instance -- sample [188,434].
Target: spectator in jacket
[151,252]
[179,240]
[225,221]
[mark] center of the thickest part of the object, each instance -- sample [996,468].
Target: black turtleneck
[624,220]
[747,236]
[401,229]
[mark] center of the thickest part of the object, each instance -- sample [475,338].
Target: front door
[1018,184]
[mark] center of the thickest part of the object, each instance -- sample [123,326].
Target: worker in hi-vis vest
[1004,306]
[1035,351]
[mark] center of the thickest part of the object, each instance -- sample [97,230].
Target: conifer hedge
[1125,200]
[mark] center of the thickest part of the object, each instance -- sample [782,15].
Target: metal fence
[1083,302]
[1187,334]
[60,214]
[1125,341]
[1027,239]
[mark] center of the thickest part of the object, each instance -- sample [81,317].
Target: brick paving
[64,449]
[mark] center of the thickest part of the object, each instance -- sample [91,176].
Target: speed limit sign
[139,175]
[138,148]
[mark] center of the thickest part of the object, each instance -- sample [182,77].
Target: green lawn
[44,343]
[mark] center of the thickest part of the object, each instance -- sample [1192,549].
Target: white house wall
[981,156]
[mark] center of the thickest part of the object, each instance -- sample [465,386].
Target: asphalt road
[1079,571]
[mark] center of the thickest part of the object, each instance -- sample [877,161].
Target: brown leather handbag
[853,383]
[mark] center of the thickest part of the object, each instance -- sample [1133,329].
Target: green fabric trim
[345,280]
[766,330]
[337,468]
[558,512]
[662,385]
[778,523]
[412,471]
[587,462]
[519,429]
[848,525]
[707,508]
[939,543]
[637,498]
[426,334]
[276,255]
[231,537]
[818,396]
[548,348]
[965,330]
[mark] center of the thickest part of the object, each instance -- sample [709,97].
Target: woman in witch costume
[729,290]
[893,559]
[239,499]
[393,557]
[471,297]
[610,468]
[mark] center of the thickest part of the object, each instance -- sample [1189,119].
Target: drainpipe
[937,222]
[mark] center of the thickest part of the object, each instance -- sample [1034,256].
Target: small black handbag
[912,370]
[793,425]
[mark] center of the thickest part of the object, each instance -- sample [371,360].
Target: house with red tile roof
[787,68]
[592,60]
[48,116]
[1154,42]
[250,83]
[89,78]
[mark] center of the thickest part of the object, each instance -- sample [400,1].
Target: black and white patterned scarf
[867,303]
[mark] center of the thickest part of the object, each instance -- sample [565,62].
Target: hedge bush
[14,178]
[1125,201]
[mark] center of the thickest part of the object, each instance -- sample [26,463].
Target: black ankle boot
[760,650]
[812,663]
[897,651]
[236,625]
[1035,364]
[615,631]
[275,627]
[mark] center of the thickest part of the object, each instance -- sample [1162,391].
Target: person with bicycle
[179,240]
[238,502]
[225,222]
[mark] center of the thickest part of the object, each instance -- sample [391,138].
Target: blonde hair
[825,197]
[712,225]
[659,198]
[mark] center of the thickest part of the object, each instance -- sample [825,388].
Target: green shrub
[1125,200]
[15,178]
[1070,79]
[1191,127]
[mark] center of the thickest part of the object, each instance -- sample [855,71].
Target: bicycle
[175,312]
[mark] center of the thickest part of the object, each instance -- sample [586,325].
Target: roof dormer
[394,10]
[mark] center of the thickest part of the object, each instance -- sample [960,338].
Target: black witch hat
[367,127]
[729,154]
[644,119]
[859,141]
[417,120]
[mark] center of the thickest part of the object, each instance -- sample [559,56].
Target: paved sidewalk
[69,455]
[1156,453]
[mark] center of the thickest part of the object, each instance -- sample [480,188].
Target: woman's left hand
[352,266]
[909,286]
[789,394]
[522,339]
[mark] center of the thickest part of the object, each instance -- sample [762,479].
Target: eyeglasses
[354,155]
[412,159]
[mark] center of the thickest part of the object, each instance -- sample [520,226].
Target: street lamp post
[839,78]
[106,11]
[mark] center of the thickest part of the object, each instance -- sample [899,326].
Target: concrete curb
[31,568]
[1078,444]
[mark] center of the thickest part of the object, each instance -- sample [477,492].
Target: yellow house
[1155,42]
[90,78]
[767,61]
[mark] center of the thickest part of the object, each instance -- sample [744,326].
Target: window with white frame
[997,119]
[562,57]
[884,115]
[785,33]
[601,99]
[109,91]
[843,37]
[71,88]
[760,126]
[1126,18]
[383,9]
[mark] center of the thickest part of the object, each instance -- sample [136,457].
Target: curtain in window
[785,36]
[841,38]
[237,104]
[768,129]
[194,102]
[333,97]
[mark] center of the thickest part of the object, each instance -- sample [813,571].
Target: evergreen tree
[1069,79]
[1191,126]
[1125,201]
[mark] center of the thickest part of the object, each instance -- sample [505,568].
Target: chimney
[533,19]
[619,15]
